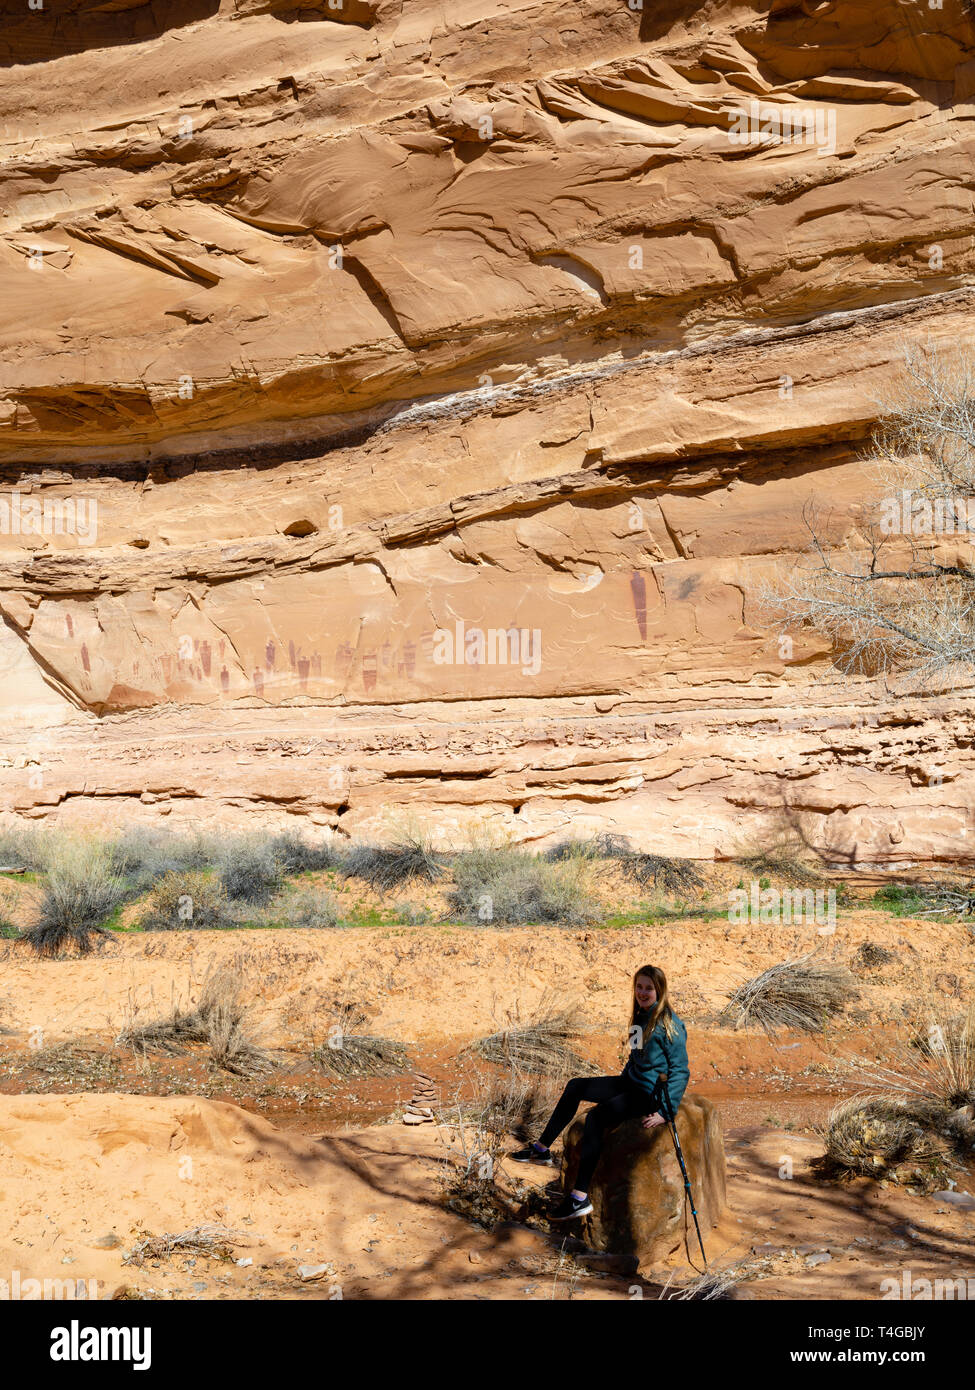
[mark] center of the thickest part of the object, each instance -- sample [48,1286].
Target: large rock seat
[637,1191]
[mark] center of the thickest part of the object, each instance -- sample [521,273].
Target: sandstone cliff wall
[335,335]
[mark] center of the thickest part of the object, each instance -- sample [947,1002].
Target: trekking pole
[671,1120]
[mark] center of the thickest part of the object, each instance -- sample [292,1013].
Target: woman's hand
[651,1121]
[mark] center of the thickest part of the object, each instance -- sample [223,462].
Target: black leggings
[617,1098]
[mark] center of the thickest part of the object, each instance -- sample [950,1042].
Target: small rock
[109,1241]
[956,1199]
[307,1272]
[474,1257]
[820,1259]
[244,1263]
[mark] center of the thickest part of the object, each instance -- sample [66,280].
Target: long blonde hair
[662,1012]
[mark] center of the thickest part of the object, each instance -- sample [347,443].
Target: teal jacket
[660,1054]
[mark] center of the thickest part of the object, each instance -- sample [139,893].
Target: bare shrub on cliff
[674,876]
[81,891]
[897,597]
[510,887]
[143,855]
[801,993]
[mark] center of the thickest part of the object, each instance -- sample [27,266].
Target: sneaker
[571,1207]
[529,1154]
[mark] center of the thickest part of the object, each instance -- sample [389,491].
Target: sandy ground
[422,983]
[361,1215]
[88,1172]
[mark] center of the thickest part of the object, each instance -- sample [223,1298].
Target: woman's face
[644,990]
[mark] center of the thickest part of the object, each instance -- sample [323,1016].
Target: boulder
[637,1191]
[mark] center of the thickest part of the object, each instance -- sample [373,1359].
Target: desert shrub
[81,891]
[249,870]
[414,914]
[385,867]
[511,887]
[308,907]
[24,847]
[219,1021]
[890,1137]
[674,876]
[933,1062]
[605,846]
[186,902]
[540,1043]
[8,932]
[800,993]
[296,855]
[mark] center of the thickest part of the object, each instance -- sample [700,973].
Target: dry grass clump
[934,1061]
[800,993]
[219,1021]
[884,1136]
[540,1044]
[674,876]
[869,956]
[349,1052]
[709,1285]
[297,855]
[212,1241]
[82,889]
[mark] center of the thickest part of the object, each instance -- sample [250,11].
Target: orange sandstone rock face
[400,403]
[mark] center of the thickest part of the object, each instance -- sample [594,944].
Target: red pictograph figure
[269,657]
[205,657]
[225,679]
[369,670]
[86,663]
[259,683]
